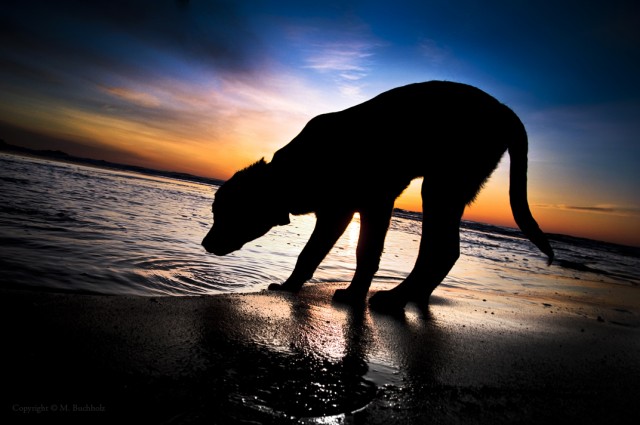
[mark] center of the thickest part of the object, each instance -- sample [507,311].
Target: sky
[208,87]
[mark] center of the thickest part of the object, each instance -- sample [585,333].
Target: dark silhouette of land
[360,160]
[58,155]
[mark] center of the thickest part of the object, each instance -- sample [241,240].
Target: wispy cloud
[606,209]
[348,62]
[347,57]
[139,39]
[435,53]
[133,96]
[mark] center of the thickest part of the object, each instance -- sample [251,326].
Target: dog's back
[384,143]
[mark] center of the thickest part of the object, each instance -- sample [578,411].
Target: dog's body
[360,160]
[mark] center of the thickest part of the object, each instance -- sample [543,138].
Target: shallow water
[83,229]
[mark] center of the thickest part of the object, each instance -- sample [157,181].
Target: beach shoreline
[274,358]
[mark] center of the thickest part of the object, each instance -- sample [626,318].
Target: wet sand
[274,358]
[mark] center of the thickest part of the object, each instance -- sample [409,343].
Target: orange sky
[492,206]
[256,121]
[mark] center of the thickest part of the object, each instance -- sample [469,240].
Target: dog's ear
[269,187]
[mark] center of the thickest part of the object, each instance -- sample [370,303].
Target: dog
[360,160]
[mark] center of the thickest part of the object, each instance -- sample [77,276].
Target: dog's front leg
[374,223]
[329,227]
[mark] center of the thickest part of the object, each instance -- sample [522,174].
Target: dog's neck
[288,194]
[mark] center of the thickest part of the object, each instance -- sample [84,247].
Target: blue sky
[208,86]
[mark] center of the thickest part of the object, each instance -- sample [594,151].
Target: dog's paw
[349,296]
[283,287]
[387,302]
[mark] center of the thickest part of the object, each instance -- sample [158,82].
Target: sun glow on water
[135,234]
[353,232]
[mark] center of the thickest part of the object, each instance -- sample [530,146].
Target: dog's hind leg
[439,250]
[374,223]
[329,227]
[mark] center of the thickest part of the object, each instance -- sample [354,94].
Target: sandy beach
[274,358]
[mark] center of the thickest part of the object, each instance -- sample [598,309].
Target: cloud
[434,53]
[136,97]
[131,38]
[155,65]
[342,52]
[349,59]
[348,62]
[606,209]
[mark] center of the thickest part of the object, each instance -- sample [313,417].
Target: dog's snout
[208,244]
[211,244]
[208,248]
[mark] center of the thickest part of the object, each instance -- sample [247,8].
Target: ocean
[76,228]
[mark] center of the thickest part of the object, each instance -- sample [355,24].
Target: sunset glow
[210,87]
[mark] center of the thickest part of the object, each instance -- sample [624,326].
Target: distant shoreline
[57,155]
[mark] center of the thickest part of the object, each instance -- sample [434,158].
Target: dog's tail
[518,146]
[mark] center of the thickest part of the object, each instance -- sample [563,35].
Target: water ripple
[76,228]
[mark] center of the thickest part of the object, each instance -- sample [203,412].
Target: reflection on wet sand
[319,353]
[272,358]
[322,362]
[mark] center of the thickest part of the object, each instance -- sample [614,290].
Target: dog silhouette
[360,160]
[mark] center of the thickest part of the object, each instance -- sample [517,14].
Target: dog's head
[244,209]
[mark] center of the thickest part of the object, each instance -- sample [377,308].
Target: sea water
[77,228]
